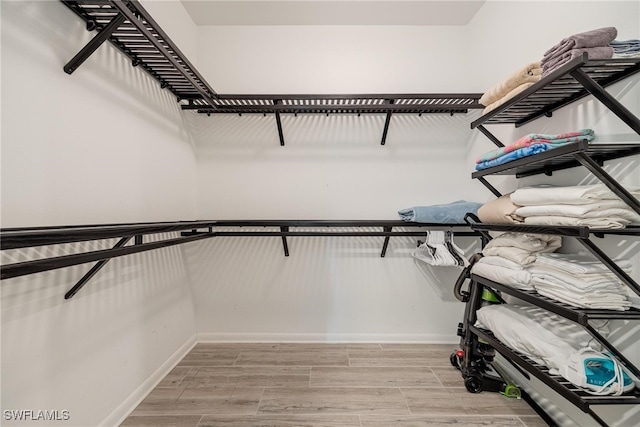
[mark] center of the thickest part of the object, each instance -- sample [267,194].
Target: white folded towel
[570,195]
[580,263]
[597,223]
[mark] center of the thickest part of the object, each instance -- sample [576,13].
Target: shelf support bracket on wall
[607,180]
[609,101]
[490,187]
[490,136]
[386,241]
[285,246]
[386,124]
[94,270]
[279,123]
[94,44]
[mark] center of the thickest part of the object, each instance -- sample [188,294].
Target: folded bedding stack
[544,337]
[529,145]
[626,48]
[594,43]
[449,213]
[506,257]
[511,86]
[580,281]
[592,206]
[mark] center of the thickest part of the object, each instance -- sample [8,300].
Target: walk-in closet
[320,213]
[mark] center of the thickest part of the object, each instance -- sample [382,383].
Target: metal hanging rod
[17,238]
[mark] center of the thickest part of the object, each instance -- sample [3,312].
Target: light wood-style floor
[323,385]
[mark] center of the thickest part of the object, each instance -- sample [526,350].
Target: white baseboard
[328,338]
[118,415]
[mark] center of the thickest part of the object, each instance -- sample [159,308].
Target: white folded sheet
[572,195]
[580,263]
[521,248]
[519,279]
[604,223]
[540,335]
[571,210]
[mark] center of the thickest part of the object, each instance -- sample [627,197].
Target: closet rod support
[386,124]
[609,101]
[94,270]
[285,246]
[386,241]
[607,180]
[489,186]
[491,136]
[279,123]
[94,44]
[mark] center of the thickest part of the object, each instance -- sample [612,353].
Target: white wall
[328,289]
[529,46]
[104,145]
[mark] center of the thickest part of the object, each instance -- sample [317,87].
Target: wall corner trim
[119,414]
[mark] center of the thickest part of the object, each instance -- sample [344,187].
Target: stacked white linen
[521,248]
[542,336]
[582,205]
[503,270]
[580,281]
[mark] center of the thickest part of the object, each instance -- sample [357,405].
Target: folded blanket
[579,263]
[507,97]
[538,138]
[521,248]
[540,335]
[602,52]
[570,195]
[589,210]
[625,46]
[593,38]
[529,73]
[499,211]
[515,155]
[603,223]
[450,213]
[519,279]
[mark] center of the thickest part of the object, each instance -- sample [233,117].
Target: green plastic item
[489,296]
[512,391]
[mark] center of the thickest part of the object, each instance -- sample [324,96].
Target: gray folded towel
[604,52]
[594,38]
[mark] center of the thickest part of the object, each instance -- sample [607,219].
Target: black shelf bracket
[94,44]
[387,121]
[490,187]
[609,101]
[491,136]
[94,270]
[385,244]
[607,180]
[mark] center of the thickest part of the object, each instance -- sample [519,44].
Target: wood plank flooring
[322,385]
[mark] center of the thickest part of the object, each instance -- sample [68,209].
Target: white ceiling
[332,12]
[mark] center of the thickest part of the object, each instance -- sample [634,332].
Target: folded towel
[519,279]
[597,223]
[589,210]
[538,138]
[515,155]
[529,73]
[521,248]
[580,263]
[625,46]
[450,213]
[499,211]
[570,195]
[602,52]
[593,38]
[507,97]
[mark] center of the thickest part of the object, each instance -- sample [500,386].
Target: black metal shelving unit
[129,27]
[576,395]
[140,237]
[576,79]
